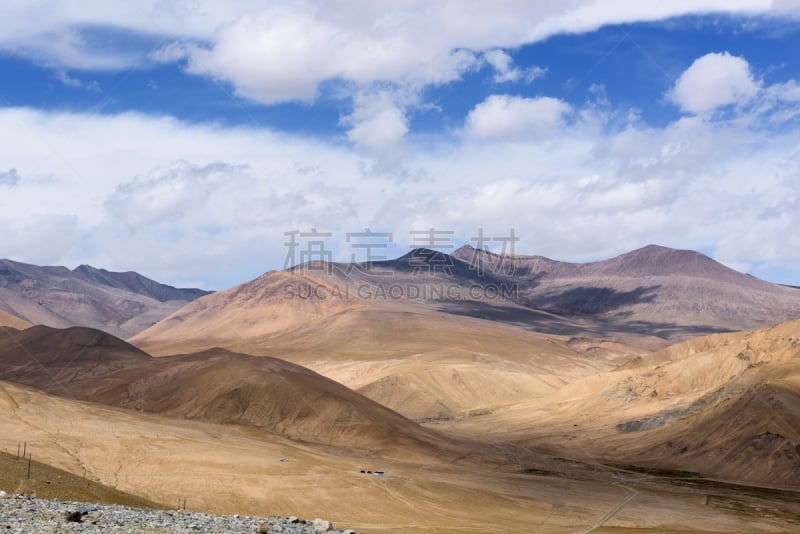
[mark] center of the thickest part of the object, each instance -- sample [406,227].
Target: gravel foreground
[20,514]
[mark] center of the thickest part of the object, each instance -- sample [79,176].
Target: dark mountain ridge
[652,291]
[120,303]
[136,283]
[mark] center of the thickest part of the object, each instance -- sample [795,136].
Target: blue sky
[182,139]
[636,64]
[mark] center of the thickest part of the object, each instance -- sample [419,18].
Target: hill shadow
[666,330]
[586,305]
[535,320]
[583,301]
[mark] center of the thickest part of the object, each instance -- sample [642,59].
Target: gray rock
[23,515]
[320,525]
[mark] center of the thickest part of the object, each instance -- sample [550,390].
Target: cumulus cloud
[715,80]
[287,52]
[179,197]
[718,81]
[284,52]
[507,116]
[168,194]
[378,124]
[207,204]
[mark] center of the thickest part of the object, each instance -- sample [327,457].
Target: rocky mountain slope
[651,292]
[122,304]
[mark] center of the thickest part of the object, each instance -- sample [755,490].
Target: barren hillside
[119,303]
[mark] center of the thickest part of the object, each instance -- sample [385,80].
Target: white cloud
[378,124]
[188,203]
[588,15]
[171,53]
[289,51]
[206,203]
[66,48]
[507,116]
[780,102]
[505,71]
[284,54]
[70,81]
[60,232]
[715,80]
[286,51]
[168,194]
[502,63]
[789,7]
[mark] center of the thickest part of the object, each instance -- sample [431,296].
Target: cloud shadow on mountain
[588,301]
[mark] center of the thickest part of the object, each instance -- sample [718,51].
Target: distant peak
[653,247]
[468,251]
[660,250]
[660,260]
[657,248]
[86,268]
[422,252]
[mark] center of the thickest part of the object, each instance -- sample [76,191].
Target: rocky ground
[20,514]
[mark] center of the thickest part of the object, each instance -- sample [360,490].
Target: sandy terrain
[417,360]
[726,406]
[48,482]
[231,469]
[485,415]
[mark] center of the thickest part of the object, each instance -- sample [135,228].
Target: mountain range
[123,304]
[655,391]
[654,294]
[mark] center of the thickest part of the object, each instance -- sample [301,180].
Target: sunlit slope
[726,406]
[231,469]
[415,359]
[217,386]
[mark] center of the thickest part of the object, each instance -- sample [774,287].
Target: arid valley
[648,409]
